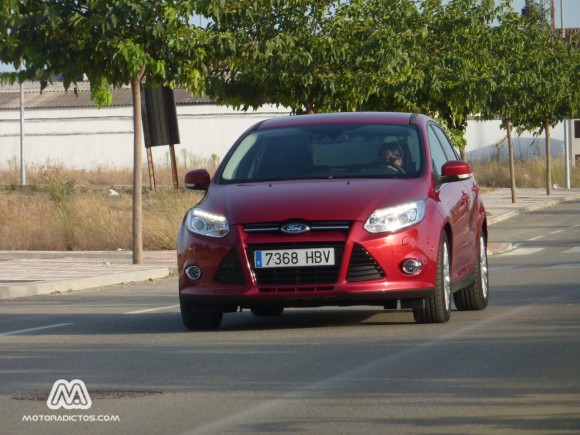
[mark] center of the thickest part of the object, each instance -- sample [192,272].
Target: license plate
[294,258]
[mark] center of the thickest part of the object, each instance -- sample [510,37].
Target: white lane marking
[524,251]
[152,309]
[535,238]
[22,331]
[556,232]
[575,250]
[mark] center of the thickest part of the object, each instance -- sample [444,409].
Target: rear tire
[197,318]
[476,296]
[437,308]
[267,311]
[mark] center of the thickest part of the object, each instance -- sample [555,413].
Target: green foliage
[110,41]
[456,60]
[449,59]
[314,56]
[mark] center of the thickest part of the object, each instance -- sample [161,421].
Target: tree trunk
[512,168]
[463,153]
[548,160]
[137,169]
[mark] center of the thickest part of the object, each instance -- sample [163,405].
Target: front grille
[362,266]
[297,276]
[274,227]
[230,270]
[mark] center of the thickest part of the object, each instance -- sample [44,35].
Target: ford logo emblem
[294,228]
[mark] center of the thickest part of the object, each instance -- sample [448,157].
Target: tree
[547,83]
[457,62]
[508,64]
[383,54]
[281,55]
[315,56]
[112,42]
[533,76]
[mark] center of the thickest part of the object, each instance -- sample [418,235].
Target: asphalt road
[512,368]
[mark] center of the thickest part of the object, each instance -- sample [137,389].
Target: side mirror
[455,170]
[197,180]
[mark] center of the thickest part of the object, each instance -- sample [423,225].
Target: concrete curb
[537,206]
[67,285]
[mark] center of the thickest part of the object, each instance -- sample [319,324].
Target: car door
[458,198]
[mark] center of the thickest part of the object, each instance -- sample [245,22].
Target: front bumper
[367,271]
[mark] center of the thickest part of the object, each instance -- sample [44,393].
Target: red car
[335,209]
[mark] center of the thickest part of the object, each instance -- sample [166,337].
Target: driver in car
[392,153]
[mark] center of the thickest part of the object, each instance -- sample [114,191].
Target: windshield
[326,151]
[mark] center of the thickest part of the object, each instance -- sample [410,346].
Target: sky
[571,10]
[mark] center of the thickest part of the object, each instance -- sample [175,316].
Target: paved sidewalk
[29,273]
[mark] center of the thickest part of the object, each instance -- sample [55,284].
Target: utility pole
[567,181]
[22,164]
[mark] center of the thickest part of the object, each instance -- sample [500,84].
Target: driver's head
[392,153]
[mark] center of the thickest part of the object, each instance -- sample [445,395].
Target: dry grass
[64,209]
[528,173]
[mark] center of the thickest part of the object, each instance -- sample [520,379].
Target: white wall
[487,138]
[89,138]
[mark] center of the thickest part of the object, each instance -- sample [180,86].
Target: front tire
[437,308]
[476,296]
[198,318]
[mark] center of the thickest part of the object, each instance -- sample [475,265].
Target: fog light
[411,266]
[193,272]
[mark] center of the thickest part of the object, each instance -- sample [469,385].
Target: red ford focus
[335,209]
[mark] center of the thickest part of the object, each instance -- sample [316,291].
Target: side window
[438,156]
[448,148]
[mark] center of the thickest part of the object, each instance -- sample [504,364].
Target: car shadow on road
[317,318]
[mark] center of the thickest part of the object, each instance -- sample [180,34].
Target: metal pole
[566,133]
[22,165]
[562,19]
[572,160]
[566,157]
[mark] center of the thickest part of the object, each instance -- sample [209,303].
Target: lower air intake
[362,266]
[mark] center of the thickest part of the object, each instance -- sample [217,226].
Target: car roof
[340,118]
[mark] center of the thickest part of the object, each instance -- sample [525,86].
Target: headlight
[207,224]
[395,218]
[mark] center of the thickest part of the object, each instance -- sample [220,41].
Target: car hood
[310,200]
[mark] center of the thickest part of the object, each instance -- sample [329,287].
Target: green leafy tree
[316,56]
[509,61]
[533,76]
[383,54]
[112,42]
[547,83]
[456,61]
[280,55]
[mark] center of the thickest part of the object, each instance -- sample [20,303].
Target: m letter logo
[69,395]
